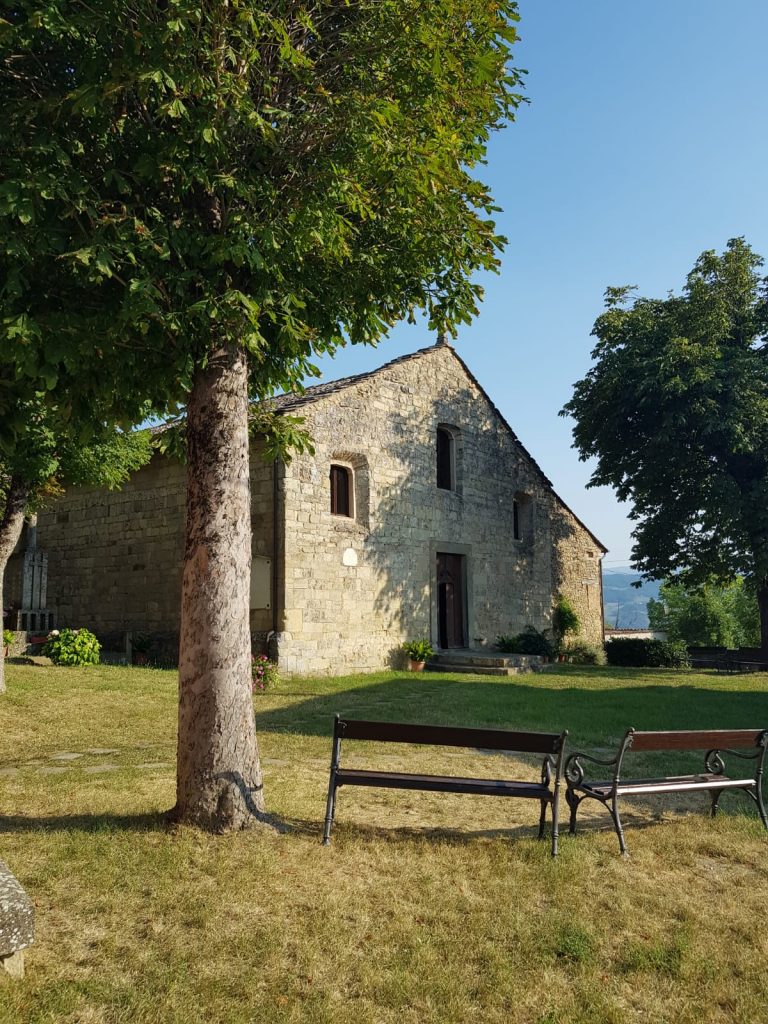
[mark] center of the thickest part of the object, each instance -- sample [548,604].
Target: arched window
[342,491]
[446,460]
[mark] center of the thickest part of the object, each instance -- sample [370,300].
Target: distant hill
[625,605]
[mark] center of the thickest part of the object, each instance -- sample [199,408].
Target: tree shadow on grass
[594,717]
[94,823]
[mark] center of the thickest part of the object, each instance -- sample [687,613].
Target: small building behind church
[420,514]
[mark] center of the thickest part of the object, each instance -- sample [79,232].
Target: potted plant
[418,651]
[8,638]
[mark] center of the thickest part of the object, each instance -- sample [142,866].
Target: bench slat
[719,739]
[449,736]
[678,784]
[442,783]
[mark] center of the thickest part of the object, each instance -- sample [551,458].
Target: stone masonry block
[17,923]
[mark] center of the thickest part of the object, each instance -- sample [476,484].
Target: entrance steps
[485,663]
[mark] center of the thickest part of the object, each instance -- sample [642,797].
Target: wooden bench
[547,791]
[747,744]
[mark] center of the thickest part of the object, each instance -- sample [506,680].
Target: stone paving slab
[102,751]
[95,769]
[58,770]
[65,755]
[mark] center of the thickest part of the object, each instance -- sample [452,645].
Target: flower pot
[416,666]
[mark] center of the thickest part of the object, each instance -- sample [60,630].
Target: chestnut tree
[199,195]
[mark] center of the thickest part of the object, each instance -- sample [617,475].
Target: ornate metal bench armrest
[548,770]
[714,761]
[574,770]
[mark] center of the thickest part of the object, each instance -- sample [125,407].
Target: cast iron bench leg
[614,809]
[555,819]
[757,796]
[573,802]
[330,811]
[542,819]
[715,797]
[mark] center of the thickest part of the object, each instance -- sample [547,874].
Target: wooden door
[450,600]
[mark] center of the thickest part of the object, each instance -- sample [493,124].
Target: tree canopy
[283,176]
[675,411]
[709,616]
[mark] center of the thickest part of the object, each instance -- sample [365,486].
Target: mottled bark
[11,523]
[219,781]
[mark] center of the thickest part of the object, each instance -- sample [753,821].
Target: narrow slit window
[445,473]
[522,517]
[341,491]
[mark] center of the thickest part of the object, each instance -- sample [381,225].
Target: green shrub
[564,618]
[530,641]
[637,653]
[72,647]
[264,673]
[418,650]
[8,637]
[579,653]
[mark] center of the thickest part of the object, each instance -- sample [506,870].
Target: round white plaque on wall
[349,557]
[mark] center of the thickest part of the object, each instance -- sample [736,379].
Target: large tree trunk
[219,781]
[762,604]
[10,529]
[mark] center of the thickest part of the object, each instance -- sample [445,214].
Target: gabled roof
[296,400]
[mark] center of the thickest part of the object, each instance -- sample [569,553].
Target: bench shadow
[394,834]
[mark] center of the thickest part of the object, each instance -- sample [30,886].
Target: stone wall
[355,588]
[115,557]
[343,593]
[577,572]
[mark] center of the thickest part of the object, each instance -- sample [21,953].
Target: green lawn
[426,908]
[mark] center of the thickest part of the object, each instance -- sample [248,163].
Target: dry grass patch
[426,908]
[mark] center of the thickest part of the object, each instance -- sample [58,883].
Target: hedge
[637,653]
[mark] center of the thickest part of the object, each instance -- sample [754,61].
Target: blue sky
[644,143]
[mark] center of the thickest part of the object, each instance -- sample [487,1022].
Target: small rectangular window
[515,519]
[444,460]
[341,491]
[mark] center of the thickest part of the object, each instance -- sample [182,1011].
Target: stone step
[487,660]
[476,670]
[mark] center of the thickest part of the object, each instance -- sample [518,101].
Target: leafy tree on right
[709,615]
[675,410]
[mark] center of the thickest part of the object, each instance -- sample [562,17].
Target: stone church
[419,514]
